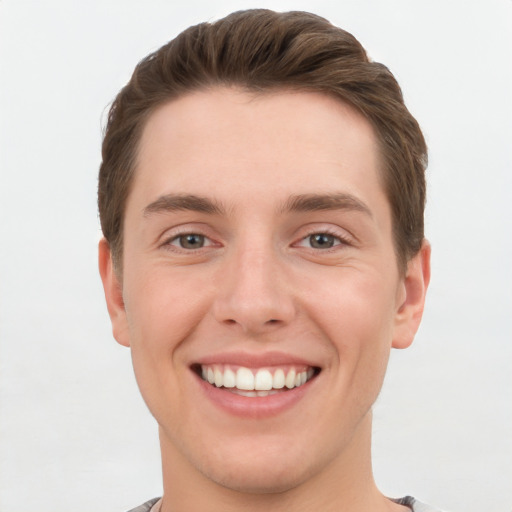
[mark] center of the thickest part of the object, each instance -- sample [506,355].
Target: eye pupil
[321,241]
[191,241]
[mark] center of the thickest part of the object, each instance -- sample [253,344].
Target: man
[261,196]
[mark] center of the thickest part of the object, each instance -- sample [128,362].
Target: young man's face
[258,245]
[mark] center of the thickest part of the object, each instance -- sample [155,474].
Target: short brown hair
[260,50]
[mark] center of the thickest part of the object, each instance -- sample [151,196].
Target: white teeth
[278,380]
[246,393]
[263,380]
[254,393]
[266,393]
[229,379]
[261,383]
[244,379]
[219,378]
[290,379]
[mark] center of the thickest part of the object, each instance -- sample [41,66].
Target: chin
[261,470]
[259,478]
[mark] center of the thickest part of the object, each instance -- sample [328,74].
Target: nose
[254,293]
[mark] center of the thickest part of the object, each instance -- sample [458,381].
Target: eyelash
[174,242]
[339,240]
[169,243]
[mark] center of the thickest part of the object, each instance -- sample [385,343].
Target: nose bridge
[253,292]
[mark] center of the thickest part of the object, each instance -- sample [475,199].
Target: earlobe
[113,294]
[415,284]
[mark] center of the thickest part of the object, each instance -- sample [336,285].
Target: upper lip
[255,360]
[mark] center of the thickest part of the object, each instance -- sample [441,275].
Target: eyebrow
[319,202]
[176,202]
[296,203]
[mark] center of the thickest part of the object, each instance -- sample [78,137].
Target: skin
[259,284]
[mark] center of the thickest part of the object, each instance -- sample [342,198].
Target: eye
[321,241]
[190,241]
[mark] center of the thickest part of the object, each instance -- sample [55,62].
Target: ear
[412,302]
[113,294]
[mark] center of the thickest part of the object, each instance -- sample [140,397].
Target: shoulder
[408,501]
[415,505]
[145,507]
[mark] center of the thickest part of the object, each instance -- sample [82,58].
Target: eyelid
[343,239]
[208,241]
[341,234]
[339,240]
[173,234]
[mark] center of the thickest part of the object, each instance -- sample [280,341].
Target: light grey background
[74,434]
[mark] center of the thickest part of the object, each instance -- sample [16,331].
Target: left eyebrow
[175,202]
[318,202]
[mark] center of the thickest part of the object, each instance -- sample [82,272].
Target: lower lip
[254,407]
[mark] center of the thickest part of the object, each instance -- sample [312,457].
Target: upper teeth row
[262,380]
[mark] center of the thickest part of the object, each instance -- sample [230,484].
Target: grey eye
[322,241]
[191,241]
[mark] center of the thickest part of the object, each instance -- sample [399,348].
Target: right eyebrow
[176,202]
[318,202]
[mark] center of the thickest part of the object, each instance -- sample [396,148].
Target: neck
[346,484]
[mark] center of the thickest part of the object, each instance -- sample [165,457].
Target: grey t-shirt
[145,507]
[408,501]
[415,505]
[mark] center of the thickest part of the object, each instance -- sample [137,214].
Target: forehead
[283,142]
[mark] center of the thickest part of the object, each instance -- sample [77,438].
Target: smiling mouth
[257,382]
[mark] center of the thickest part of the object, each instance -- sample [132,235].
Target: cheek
[357,317]
[163,308]
[358,310]
[162,311]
